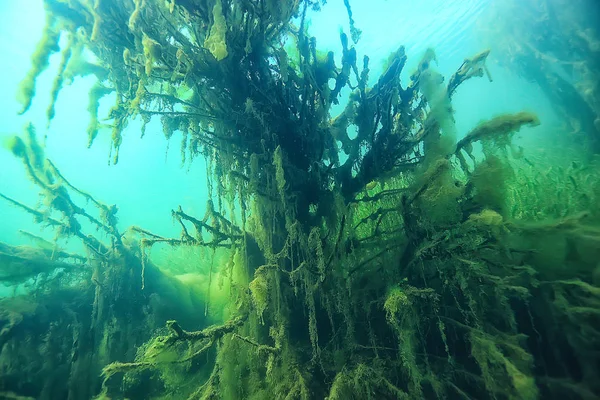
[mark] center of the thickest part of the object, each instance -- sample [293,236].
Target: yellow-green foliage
[432,87]
[315,245]
[577,305]
[39,62]
[555,185]
[79,65]
[36,153]
[402,315]
[322,259]
[238,271]
[562,248]
[486,218]
[216,41]
[293,386]
[59,78]
[500,374]
[97,19]
[363,383]
[135,15]
[96,93]
[439,202]
[396,304]
[30,152]
[156,351]
[139,96]
[280,181]
[258,229]
[312,316]
[259,288]
[166,360]
[102,396]
[234,359]
[15,145]
[490,180]
[152,53]
[279,174]
[499,130]
[119,113]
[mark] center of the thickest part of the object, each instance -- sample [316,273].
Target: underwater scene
[300,199]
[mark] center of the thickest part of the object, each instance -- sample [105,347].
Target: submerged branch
[72,227]
[498,127]
[39,217]
[260,348]
[213,332]
[471,67]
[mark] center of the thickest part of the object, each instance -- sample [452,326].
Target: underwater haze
[300,199]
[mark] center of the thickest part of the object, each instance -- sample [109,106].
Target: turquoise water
[149,180]
[144,194]
[456,256]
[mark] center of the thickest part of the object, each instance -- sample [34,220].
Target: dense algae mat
[422,266]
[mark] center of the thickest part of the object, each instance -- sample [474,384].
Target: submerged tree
[402,271]
[555,43]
